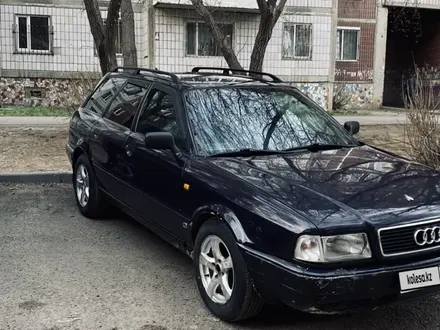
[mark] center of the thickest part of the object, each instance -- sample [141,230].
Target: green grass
[34,112]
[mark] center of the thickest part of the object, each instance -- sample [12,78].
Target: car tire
[243,302]
[88,194]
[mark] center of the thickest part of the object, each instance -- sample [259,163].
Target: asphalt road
[59,270]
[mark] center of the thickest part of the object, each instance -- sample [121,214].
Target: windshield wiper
[258,152]
[247,152]
[318,147]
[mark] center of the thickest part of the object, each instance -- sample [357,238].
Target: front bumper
[331,291]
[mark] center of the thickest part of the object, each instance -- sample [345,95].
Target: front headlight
[324,249]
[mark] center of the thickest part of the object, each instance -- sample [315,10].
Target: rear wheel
[89,197]
[222,277]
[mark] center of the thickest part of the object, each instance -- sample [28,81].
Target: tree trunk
[128,34]
[104,39]
[261,41]
[110,33]
[270,13]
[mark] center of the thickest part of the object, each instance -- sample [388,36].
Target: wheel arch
[77,152]
[204,213]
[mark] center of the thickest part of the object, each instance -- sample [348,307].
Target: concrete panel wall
[73,46]
[170,48]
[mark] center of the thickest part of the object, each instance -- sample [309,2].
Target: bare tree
[270,11]
[128,34]
[104,37]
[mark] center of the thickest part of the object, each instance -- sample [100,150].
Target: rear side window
[99,101]
[123,108]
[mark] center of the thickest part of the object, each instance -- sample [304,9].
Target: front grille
[400,240]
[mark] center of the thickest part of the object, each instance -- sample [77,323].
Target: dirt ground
[33,150]
[42,149]
[387,137]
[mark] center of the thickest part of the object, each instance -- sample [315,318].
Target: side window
[101,98]
[123,108]
[159,115]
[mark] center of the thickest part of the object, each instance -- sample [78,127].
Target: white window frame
[293,57]
[28,49]
[197,38]
[340,49]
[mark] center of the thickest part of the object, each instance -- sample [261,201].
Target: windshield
[235,118]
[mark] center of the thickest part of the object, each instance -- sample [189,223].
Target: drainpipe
[151,35]
[332,66]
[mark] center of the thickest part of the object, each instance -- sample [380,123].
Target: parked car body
[273,199]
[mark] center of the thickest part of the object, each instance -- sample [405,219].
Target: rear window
[100,100]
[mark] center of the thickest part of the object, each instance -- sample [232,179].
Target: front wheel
[222,276]
[89,198]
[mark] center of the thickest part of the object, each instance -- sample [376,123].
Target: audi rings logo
[427,236]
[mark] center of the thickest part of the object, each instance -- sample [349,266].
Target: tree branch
[95,21]
[269,17]
[262,5]
[96,27]
[113,17]
[110,34]
[219,38]
[279,9]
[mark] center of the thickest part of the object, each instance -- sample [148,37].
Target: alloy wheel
[82,185]
[216,269]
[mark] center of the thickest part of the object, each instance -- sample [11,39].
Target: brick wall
[361,70]
[359,14]
[360,9]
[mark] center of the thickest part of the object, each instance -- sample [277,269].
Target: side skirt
[159,231]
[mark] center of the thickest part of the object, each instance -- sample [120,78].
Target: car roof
[198,79]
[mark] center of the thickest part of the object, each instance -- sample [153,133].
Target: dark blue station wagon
[271,197]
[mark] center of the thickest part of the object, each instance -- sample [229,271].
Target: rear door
[97,104]
[112,130]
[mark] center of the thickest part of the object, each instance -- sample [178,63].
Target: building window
[118,40]
[200,41]
[297,41]
[33,34]
[348,44]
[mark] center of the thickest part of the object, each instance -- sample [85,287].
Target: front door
[157,174]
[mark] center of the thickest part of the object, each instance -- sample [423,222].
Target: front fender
[204,213]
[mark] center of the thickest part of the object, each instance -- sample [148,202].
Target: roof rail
[173,77]
[228,71]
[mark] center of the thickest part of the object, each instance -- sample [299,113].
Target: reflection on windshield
[230,119]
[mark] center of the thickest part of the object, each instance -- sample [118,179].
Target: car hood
[352,186]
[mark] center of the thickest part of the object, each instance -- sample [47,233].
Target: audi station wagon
[273,199]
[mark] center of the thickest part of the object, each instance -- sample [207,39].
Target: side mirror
[352,127]
[161,141]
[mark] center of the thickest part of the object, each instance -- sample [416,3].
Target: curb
[36,177]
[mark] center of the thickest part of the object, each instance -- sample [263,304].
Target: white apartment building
[44,44]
